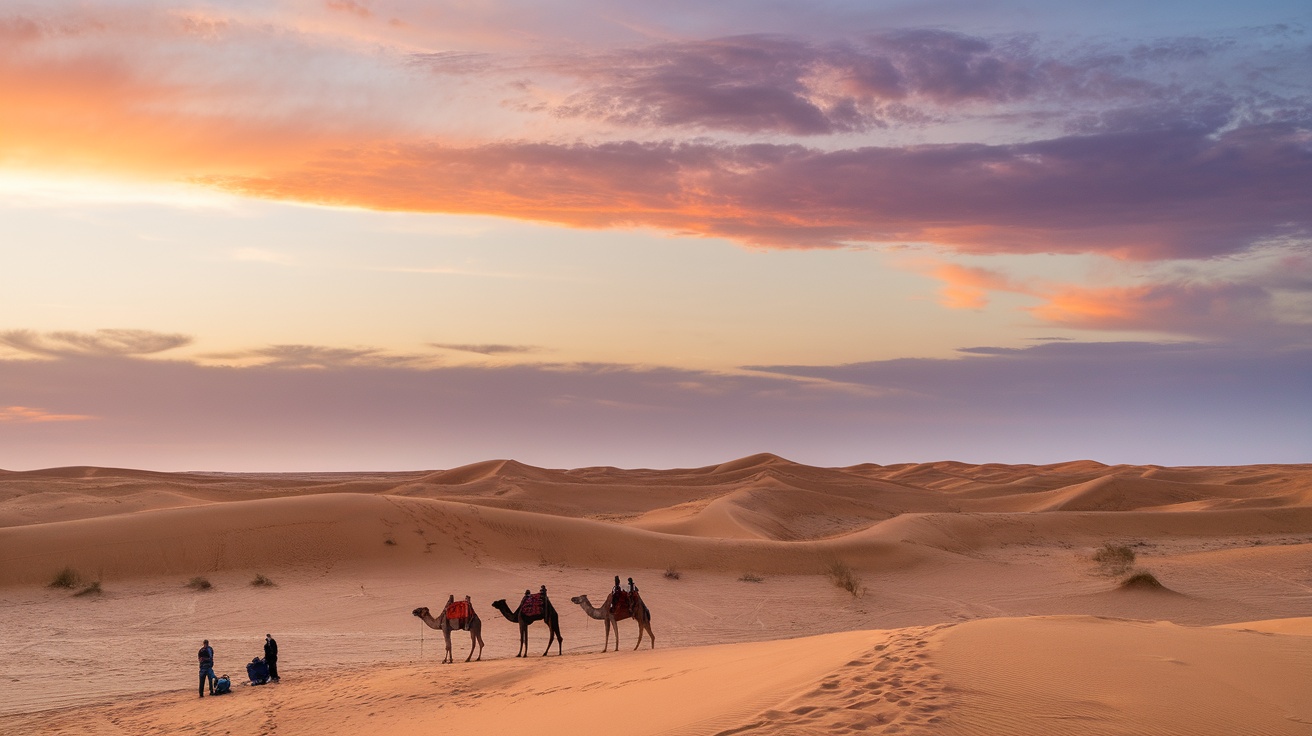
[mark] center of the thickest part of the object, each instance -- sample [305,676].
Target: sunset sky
[390,235]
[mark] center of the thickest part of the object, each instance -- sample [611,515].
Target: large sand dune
[978,605]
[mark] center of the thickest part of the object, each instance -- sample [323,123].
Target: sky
[390,235]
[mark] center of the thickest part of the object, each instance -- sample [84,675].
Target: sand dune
[972,602]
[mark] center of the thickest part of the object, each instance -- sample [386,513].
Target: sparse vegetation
[1143,580]
[199,583]
[389,542]
[261,581]
[751,577]
[845,578]
[671,573]
[66,578]
[92,589]
[1114,559]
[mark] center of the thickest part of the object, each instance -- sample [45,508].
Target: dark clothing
[271,656]
[206,658]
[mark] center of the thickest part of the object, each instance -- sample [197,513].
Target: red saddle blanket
[619,605]
[457,610]
[532,605]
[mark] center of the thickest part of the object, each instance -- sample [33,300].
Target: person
[206,657]
[615,593]
[633,596]
[271,656]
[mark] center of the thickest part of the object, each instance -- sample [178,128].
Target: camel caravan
[457,615]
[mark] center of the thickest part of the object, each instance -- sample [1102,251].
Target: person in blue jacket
[206,657]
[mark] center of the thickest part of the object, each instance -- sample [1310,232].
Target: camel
[641,614]
[548,614]
[473,624]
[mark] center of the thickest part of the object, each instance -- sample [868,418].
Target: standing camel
[641,614]
[519,616]
[473,624]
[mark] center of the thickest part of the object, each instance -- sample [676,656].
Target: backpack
[222,685]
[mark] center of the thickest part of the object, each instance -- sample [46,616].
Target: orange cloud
[1234,309]
[967,287]
[24,414]
[270,111]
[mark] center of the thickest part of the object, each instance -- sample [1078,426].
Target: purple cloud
[783,84]
[1178,193]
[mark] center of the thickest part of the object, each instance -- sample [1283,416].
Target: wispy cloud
[319,357]
[28,414]
[1236,304]
[488,349]
[108,342]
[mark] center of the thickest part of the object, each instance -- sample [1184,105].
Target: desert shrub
[92,589]
[199,583]
[671,573]
[751,577]
[1114,559]
[66,578]
[1142,579]
[261,581]
[845,578]
[389,542]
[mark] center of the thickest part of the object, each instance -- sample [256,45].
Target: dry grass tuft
[261,581]
[199,583]
[751,577]
[66,578]
[846,578]
[1114,559]
[671,573]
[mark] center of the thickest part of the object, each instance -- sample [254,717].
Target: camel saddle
[532,605]
[457,613]
[619,605]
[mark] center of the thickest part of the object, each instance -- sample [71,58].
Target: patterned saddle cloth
[532,605]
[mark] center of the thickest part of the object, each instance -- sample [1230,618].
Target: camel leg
[523,641]
[447,658]
[555,636]
[480,646]
[606,647]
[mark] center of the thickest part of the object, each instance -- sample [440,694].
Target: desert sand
[939,598]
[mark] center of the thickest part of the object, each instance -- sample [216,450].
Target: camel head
[420,611]
[500,604]
[580,599]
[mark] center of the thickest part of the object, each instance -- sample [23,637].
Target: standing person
[615,594]
[206,657]
[271,656]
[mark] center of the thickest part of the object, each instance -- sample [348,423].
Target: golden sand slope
[1067,675]
[976,605]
